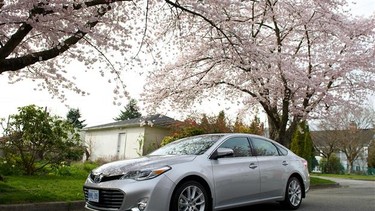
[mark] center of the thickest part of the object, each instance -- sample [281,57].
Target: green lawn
[27,189]
[314,181]
[64,184]
[348,176]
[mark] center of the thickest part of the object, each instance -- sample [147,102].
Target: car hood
[147,162]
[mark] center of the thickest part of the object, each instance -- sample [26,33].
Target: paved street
[352,195]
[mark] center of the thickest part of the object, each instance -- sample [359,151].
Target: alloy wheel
[294,193]
[191,198]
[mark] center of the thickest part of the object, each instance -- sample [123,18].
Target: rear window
[282,150]
[264,148]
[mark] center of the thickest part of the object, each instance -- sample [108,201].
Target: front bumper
[125,195]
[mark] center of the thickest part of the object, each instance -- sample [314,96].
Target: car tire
[293,194]
[190,195]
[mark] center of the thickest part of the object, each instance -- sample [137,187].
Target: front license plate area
[93,195]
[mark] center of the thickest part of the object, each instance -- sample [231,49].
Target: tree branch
[14,64]
[208,21]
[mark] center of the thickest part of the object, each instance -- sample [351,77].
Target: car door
[236,178]
[274,169]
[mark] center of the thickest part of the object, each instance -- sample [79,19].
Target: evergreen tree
[256,127]
[302,144]
[238,125]
[131,111]
[221,124]
[205,124]
[73,117]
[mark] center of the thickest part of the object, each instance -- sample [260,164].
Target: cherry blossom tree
[38,38]
[290,57]
[295,59]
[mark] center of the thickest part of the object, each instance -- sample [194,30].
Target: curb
[336,185]
[48,206]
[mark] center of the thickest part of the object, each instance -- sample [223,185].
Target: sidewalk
[48,206]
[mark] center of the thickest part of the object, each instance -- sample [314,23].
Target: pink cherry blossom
[294,58]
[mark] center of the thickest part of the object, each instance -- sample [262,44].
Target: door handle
[285,163]
[253,166]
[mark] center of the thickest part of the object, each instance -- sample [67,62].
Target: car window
[264,148]
[195,145]
[239,145]
[282,150]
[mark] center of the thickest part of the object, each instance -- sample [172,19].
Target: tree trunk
[350,167]
[272,130]
[282,133]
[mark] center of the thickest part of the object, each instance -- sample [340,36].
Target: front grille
[108,198]
[103,178]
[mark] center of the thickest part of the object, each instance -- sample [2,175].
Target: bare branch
[177,5]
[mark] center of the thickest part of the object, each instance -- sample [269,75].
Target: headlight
[146,174]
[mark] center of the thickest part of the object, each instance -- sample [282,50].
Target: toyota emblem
[98,178]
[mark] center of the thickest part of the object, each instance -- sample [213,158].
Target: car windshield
[196,145]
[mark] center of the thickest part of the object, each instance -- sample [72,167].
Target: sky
[98,108]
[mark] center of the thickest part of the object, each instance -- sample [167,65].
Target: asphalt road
[351,196]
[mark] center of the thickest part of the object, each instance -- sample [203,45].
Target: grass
[64,185]
[314,181]
[31,189]
[348,176]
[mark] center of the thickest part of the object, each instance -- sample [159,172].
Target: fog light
[141,206]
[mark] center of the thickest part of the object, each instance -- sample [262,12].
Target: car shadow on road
[261,207]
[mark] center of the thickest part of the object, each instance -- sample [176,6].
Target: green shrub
[42,140]
[9,167]
[89,166]
[168,139]
[77,169]
[64,171]
[332,165]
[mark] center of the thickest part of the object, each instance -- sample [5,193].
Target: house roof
[156,120]
[365,136]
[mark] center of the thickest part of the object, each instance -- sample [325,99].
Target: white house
[335,139]
[126,139]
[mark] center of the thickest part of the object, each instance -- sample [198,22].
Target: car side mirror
[222,152]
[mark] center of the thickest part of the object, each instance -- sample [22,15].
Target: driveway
[351,195]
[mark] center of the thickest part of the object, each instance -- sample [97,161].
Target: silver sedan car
[201,173]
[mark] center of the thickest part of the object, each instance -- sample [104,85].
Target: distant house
[332,141]
[126,139]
